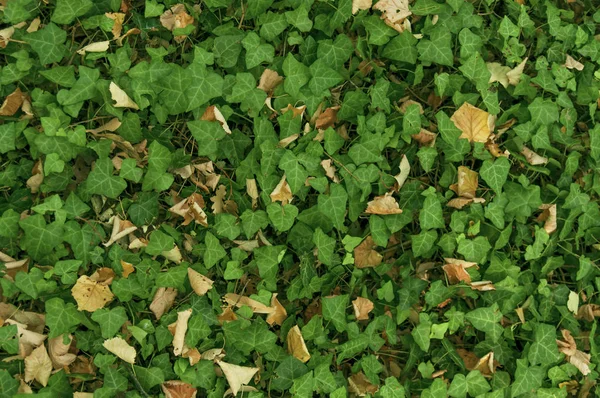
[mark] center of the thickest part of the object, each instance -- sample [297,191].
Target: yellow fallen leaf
[97,47]
[573,302]
[385,204]
[127,269]
[178,389]
[91,295]
[282,192]
[296,345]
[468,181]
[278,314]
[239,301]
[200,283]
[514,76]
[163,301]
[173,255]
[121,349]
[404,172]
[549,217]
[180,330]
[269,80]
[394,13]
[236,375]
[38,366]
[112,125]
[5,35]
[358,5]
[365,255]
[362,308]
[475,124]
[121,98]
[118,18]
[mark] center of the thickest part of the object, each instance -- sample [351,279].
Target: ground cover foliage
[299,198]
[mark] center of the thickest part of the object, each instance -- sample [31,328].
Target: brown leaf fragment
[296,345]
[514,75]
[475,124]
[118,18]
[365,256]
[200,283]
[180,330]
[425,137]
[239,301]
[330,170]
[572,63]
[112,125]
[459,203]
[237,376]
[178,389]
[5,35]
[121,98]
[468,181]
[91,295]
[385,204]
[218,205]
[38,366]
[588,312]
[394,13]
[163,301]
[128,269]
[577,358]
[456,270]
[533,158]
[121,228]
[190,209]
[482,286]
[12,103]
[193,355]
[176,18]
[227,315]
[362,308]
[121,349]
[403,174]
[96,47]
[282,192]
[213,114]
[549,217]
[37,177]
[59,351]
[252,191]
[360,385]
[279,314]
[269,80]
[358,5]
[328,118]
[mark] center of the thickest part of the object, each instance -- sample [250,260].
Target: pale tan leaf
[394,12]
[37,177]
[498,73]
[24,388]
[132,31]
[362,308]
[252,191]
[247,245]
[279,314]
[200,283]
[163,301]
[455,270]
[358,5]
[103,275]
[330,170]
[468,181]
[577,358]
[5,35]
[297,111]
[404,172]
[218,205]
[28,339]
[178,389]
[78,394]
[385,204]
[473,122]
[173,255]
[91,295]
[190,209]
[365,256]
[288,140]
[533,158]
[269,80]
[459,203]
[482,286]
[38,366]
[59,351]
[176,18]
[193,355]
[239,301]
[97,47]
[296,345]
[282,192]
[549,217]
[425,137]
[34,25]
[360,385]
[121,98]
[514,76]
[12,103]
[180,330]
[572,63]
[213,354]
[405,102]
[112,125]
[236,375]
[213,114]
[121,228]
[118,18]
[121,349]
[573,302]
[588,312]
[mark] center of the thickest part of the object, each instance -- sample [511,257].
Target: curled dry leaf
[59,351]
[548,216]
[296,345]
[475,124]
[112,125]
[358,5]
[213,114]
[459,203]
[236,375]
[282,192]
[385,204]
[296,110]
[208,179]
[328,118]
[456,270]
[572,63]
[163,301]
[218,200]
[327,165]
[132,31]
[279,314]
[394,13]
[365,256]
[121,228]
[360,385]
[269,80]
[288,140]
[403,175]
[103,275]
[239,301]
[482,286]
[121,349]
[468,181]
[362,308]
[533,158]
[91,295]
[200,283]
[28,339]
[180,330]
[97,47]
[193,355]
[214,354]
[38,366]
[514,75]
[178,389]
[37,177]
[577,358]
[190,209]
[425,137]
[121,98]
[5,35]
[252,191]
[118,19]
[247,245]
[176,18]
[12,103]
[588,312]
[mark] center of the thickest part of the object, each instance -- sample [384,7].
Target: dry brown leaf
[91,295]
[360,385]
[455,270]
[239,301]
[362,308]
[112,125]
[213,114]
[103,275]
[296,345]
[176,18]
[208,178]
[37,177]
[282,192]
[128,269]
[236,375]
[279,313]
[193,355]
[296,110]
[121,349]
[405,102]
[218,205]
[588,312]
[118,18]
[475,124]
[459,203]
[163,301]
[121,228]
[121,98]
[385,204]
[97,47]
[24,388]
[288,140]
[548,216]
[328,118]
[330,170]
[132,31]
[200,283]
[38,366]
[190,209]
[28,339]
[12,103]
[394,13]
[180,330]
[5,35]
[178,389]
[59,351]
[577,358]
[252,191]
[365,255]
[358,5]
[533,158]
[214,354]
[269,80]
[403,175]
[247,245]
[468,180]
[514,76]
[173,255]
[425,137]
[572,63]
[31,320]
[482,286]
